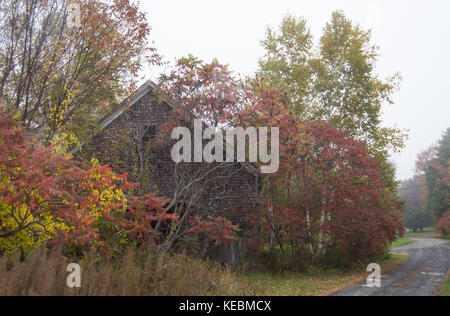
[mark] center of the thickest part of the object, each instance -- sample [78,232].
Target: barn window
[149,133]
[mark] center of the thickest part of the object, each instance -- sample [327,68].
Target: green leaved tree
[335,81]
[437,174]
[417,216]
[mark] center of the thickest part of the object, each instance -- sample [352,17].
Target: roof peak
[147,87]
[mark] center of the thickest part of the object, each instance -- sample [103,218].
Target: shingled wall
[112,146]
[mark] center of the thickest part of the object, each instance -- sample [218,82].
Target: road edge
[441,287]
[386,268]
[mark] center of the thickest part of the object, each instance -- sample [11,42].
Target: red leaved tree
[328,194]
[443,225]
[210,93]
[44,196]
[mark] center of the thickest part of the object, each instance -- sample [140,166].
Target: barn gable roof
[147,87]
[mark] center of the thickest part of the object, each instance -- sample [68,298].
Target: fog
[413,37]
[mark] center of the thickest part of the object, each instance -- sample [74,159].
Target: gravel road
[420,275]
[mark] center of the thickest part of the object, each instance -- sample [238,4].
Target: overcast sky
[413,36]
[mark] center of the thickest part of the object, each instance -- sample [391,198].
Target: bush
[443,225]
[275,261]
[45,196]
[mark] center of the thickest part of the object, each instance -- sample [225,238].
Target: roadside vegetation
[44,274]
[444,290]
[427,232]
[427,194]
[406,240]
[402,242]
[317,282]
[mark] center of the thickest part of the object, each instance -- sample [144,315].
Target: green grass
[319,283]
[427,232]
[402,242]
[445,287]
[406,240]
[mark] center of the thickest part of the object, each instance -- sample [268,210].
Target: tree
[433,165]
[443,225]
[438,178]
[25,182]
[45,196]
[56,73]
[328,194]
[208,92]
[349,94]
[417,217]
[335,82]
[287,63]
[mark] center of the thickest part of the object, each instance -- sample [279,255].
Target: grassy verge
[315,284]
[407,239]
[445,287]
[44,274]
[427,232]
[402,242]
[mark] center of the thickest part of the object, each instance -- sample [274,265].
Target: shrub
[443,225]
[46,196]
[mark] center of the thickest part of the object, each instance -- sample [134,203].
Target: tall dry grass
[44,274]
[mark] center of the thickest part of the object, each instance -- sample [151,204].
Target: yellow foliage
[104,195]
[63,142]
[42,227]
[108,195]
[57,112]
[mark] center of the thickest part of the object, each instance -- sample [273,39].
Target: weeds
[44,274]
